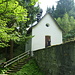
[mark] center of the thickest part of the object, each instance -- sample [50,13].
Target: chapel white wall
[40,31]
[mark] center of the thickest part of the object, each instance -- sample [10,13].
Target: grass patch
[30,68]
[3,70]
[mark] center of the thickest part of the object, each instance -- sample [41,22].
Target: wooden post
[31,53]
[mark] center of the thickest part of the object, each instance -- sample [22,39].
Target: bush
[30,68]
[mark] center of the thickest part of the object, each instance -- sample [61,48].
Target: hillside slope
[31,68]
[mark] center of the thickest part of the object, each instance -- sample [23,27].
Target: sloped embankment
[31,68]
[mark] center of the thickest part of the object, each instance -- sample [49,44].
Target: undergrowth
[3,70]
[30,68]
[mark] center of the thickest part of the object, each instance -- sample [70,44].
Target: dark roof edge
[42,18]
[56,22]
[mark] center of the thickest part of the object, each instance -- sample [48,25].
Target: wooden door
[47,41]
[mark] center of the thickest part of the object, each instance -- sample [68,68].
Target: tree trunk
[11,49]
[7,53]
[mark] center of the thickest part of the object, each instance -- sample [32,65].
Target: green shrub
[3,70]
[30,68]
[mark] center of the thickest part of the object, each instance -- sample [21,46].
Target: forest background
[17,15]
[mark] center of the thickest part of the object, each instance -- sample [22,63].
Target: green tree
[51,10]
[62,7]
[72,22]
[32,10]
[70,35]
[13,21]
[10,14]
[59,20]
[72,12]
[68,24]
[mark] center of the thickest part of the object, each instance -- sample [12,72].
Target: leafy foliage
[32,10]
[3,70]
[11,14]
[51,10]
[30,68]
[14,20]
[68,24]
[62,7]
[70,35]
[64,14]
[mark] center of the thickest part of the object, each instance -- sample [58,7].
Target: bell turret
[39,15]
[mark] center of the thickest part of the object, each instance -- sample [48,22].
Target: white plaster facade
[41,30]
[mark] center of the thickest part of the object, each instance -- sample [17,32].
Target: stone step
[7,72]
[21,63]
[15,68]
[18,66]
[11,70]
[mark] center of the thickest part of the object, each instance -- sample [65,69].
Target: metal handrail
[9,62]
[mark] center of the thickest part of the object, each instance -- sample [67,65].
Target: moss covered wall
[57,60]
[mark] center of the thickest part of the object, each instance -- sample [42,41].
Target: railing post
[31,53]
[2,65]
[18,60]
